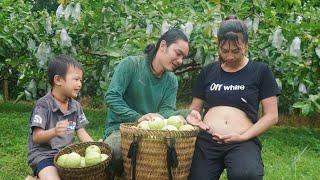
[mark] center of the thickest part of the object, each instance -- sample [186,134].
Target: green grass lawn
[288,153]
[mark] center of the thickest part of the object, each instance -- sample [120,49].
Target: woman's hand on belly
[229,138]
[194,118]
[227,124]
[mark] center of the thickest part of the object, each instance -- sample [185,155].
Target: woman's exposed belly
[225,120]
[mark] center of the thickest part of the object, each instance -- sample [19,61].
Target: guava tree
[284,34]
[14,54]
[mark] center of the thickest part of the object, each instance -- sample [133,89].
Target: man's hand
[194,118]
[61,127]
[149,117]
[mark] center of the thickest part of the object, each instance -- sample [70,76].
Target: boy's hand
[61,127]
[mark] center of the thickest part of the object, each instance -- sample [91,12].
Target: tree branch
[94,53]
[188,69]
[192,63]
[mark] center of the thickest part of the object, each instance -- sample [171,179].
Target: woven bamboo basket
[151,159]
[95,172]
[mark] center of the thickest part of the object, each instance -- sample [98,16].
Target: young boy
[56,117]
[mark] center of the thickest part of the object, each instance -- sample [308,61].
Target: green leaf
[113,52]
[306,109]
[299,104]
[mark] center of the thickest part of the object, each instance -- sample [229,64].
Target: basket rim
[130,128]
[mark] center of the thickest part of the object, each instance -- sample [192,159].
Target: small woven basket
[151,159]
[95,172]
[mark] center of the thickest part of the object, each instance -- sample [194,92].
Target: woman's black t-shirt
[243,89]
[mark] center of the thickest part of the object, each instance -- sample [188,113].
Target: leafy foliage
[100,33]
[310,105]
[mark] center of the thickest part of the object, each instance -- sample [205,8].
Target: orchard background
[285,34]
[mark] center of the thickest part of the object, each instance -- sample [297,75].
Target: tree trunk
[6,89]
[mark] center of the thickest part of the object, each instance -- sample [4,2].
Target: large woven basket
[95,172]
[151,158]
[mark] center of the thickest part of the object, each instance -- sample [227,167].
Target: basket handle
[172,160]
[132,154]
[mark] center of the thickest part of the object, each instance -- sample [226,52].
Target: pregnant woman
[229,91]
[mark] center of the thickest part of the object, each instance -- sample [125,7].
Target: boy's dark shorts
[41,165]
